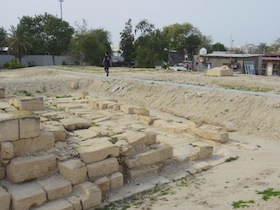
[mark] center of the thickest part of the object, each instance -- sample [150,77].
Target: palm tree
[18,42]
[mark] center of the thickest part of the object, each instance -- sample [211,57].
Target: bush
[13,65]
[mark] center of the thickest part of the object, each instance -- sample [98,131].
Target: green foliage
[3,38]
[18,42]
[218,47]
[241,204]
[127,43]
[47,34]
[113,140]
[13,65]
[90,47]
[25,93]
[269,193]
[230,159]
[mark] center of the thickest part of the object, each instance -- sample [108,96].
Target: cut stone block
[160,154]
[2,93]
[142,111]
[102,168]
[73,170]
[76,203]
[116,180]
[28,123]
[29,103]
[220,71]
[127,109]
[81,95]
[139,138]
[90,195]
[28,168]
[202,151]
[5,199]
[2,173]
[58,130]
[133,174]
[6,150]
[99,150]
[103,184]
[8,123]
[202,166]
[29,146]
[75,123]
[56,205]
[56,187]
[147,120]
[209,132]
[25,196]
[103,104]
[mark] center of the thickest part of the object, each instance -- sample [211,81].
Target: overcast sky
[246,21]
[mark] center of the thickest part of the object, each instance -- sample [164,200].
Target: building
[271,65]
[243,63]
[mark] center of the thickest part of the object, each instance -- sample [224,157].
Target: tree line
[141,45]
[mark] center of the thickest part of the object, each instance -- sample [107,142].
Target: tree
[90,46]
[218,47]
[144,27]
[48,34]
[262,47]
[3,38]
[183,37]
[206,42]
[275,47]
[127,43]
[150,49]
[18,42]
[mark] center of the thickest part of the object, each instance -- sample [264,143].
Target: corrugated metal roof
[231,55]
[271,59]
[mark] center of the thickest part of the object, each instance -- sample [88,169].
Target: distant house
[243,63]
[271,65]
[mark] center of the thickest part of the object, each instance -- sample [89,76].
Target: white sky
[246,21]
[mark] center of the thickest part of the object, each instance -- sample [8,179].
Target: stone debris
[71,157]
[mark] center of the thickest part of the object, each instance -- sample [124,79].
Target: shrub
[13,65]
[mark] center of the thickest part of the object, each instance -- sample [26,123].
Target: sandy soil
[247,106]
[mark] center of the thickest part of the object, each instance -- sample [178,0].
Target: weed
[231,159]
[25,92]
[269,193]
[113,140]
[226,110]
[64,96]
[94,124]
[241,204]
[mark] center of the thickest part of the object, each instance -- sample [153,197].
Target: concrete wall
[35,60]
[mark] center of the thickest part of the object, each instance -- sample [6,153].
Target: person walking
[107,62]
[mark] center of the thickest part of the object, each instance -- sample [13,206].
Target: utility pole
[61,8]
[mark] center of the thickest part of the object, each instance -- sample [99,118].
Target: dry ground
[247,106]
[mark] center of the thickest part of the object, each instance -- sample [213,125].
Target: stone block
[29,103]
[103,184]
[147,120]
[102,168]
[24,196]
[90,195]
[116,180]
[28,146]
[220,71]
[56,187]
[209,132]
[8,123]
[201,152]
[2,93]
[56,205]
[6,150]
[142,111]
[75,123]
[76,202]
[32,167]
[202,166]
[2,173]
[139,138]
[160,154]
[58,130]
[29,124]
[5,199]
[134,174]
[127,109]
[73,170]
[80,95]
[99,150]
